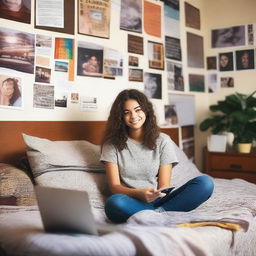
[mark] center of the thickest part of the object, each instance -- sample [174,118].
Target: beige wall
[214,14]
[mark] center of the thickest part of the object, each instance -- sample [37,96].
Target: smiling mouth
[135,121]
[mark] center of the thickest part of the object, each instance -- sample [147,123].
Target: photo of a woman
[10,94]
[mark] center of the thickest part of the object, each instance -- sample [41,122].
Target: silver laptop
[64,210]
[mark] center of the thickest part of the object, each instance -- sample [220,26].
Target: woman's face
[134,117]
[7,89]
[223,60]
[13,5]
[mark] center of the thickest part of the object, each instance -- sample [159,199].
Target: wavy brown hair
[116,131]
[16,93]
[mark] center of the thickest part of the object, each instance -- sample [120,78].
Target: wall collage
[56,62]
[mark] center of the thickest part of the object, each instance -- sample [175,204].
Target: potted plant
[236,114]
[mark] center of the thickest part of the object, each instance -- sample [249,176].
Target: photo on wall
[43,75]
[170,115]
[175,79]
[89,59]
[192,16]
[226,62]
[10,91]
[17,50]
[155,55]
[196,83]
[16,10]
[211,62]
[245,59]
[153,85]
[135,44]
[213,82]
[131,15]
[173,48]
[227,82]
[43,96]
[135,74]
[228,37]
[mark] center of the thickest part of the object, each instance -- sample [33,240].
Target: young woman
[138,161]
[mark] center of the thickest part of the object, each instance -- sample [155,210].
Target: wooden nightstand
[229,165]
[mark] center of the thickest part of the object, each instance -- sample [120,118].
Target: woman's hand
[149,194]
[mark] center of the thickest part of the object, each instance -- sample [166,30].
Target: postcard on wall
[133,61]
[113,63]
[50,13]
[16,10]
[43,96]
[61,99]
[153,85]
[135,74]
[135,44]
[89,59]
[192,16]
[175,79]
[131,15]
[94,18]
[211,62]
[196,83]
[11,90]
[43,75]
[172,48]
[74,97]
[245,59]
[228,37]
[88,103]
[227,82]
[155,55]
[61,72]
[17,50]
[152,19]
[226,62]
[251,34]
[172,18]
[213,82]
[43,45]
[185,108]
[195,50]
[170,115]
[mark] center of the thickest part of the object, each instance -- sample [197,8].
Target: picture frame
[155,55]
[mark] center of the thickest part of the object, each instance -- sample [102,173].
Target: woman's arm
[145,194]
[164,176]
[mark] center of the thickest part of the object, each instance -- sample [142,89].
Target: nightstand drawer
[219,162]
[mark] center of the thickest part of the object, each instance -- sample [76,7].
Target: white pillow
[45,155]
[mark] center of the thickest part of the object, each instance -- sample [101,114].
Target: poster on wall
[43,45]
[135,74]
[88,103]
[16,10]
[175,79]
[17,50]
[172,48]
[195,50]
[133,61]
[170,115]
[226,62]
[155,55]
[192,16]
[213,82]
[113,63]
[135,44]
[196,83]
[245,59]
[94,18]
[153,85]
[89,60]
[11,90]
[61,99]
[227,82]
[131,15]
[228,37]
[152,19]
[172,18]
[251,34]
[43,96]
[43,75]
[211,62]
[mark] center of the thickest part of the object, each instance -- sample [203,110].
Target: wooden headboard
[12,147]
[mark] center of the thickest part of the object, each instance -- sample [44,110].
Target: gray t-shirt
[139,165]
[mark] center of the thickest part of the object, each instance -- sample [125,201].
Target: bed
[224,225]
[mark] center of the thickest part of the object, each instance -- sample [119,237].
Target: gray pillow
[45,155]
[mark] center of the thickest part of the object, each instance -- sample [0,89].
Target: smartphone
[166,190]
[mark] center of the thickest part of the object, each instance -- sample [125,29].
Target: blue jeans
[120,207]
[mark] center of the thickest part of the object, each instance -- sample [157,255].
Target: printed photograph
[170,114]
[211,62]
[245,59]
[43,96]
[18,10]
[135,44]
[172,48]
[228,37]
[153,85]
[226,62]
[61,66]
[196,83]
[192,16]
[131,15]
[17,50]
[175,79]
[135,74]
[213,82]
[43,75]
[226,82]
[61,99]
[155,55]
[10,91]
[133,61]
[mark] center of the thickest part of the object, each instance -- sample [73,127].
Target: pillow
[94,183]
[184,170]
[16,184]
[45,155]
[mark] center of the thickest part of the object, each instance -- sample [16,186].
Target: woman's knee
[206,184]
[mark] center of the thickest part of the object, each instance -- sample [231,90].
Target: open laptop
[64,210]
